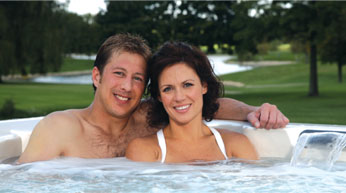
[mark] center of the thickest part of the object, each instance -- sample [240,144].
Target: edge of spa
[275,143]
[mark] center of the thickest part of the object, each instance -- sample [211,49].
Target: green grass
[280,55]
[284,47]
[32,99]
[70,64]
[287,87]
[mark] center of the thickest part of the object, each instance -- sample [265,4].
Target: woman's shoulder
[143,149]
[150,140]
[238,145]
[231,135]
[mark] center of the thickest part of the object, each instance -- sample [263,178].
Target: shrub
[8,109]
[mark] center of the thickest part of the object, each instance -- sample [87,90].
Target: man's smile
[122,98]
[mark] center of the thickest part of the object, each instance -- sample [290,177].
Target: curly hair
[179,52]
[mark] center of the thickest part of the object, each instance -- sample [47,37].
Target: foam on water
[121,175]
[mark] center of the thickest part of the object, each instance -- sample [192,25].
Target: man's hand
[267,116]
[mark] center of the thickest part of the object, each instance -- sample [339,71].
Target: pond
[218,62]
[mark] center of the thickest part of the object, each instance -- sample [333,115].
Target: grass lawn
[33,99]
[287,87]
[279,55]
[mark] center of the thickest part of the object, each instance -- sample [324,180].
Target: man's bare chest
[102,145]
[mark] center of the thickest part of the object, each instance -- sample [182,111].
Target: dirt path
[259,64]
[265,63]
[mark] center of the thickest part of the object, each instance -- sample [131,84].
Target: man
[117,115]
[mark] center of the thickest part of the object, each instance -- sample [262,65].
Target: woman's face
[181,93]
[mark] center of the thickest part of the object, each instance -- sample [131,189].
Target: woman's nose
[179,95]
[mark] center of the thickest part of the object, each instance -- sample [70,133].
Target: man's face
[122,83]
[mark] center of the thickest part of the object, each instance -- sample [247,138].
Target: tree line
[34,36]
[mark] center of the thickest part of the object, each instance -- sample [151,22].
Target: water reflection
[74,79]
[220,67]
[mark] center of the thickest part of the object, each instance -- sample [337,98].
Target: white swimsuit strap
[162,144]
[219,141]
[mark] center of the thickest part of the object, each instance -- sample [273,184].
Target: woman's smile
[182,109]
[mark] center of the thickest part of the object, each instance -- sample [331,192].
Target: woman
[184,90]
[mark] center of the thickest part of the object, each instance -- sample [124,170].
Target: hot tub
[273,173]
[277,143]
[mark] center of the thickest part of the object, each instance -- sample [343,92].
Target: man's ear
[204,87]
[96,76]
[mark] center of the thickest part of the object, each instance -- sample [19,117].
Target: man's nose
[126,84]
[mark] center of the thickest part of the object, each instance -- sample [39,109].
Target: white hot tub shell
[275,143]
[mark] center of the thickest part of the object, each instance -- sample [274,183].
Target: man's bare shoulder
[49,137]
[63,120]
[59,126]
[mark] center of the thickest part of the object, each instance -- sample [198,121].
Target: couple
[117,114]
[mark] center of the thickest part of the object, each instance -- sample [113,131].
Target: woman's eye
[166,89]
[187,85]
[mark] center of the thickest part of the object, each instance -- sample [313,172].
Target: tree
[247,30]
[212,23]
[302,21]
[30,37]
[196,22]
[81,33]
[333,46]
[6,46]
[306,22]
[129,17]
[320,25]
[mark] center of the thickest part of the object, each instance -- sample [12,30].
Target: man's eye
[119,73]
[138,79]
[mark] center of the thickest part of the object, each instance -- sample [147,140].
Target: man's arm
[266,116]
[44,143]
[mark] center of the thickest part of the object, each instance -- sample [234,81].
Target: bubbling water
[121,175]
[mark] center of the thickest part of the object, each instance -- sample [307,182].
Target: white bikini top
[162,143]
